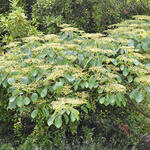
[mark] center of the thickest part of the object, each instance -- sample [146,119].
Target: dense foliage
[61,80]
[15,25]
[74,90]
[88,15]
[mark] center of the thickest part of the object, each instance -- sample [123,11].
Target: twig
[139,109]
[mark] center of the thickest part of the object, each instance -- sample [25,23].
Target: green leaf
[145,46]
[69,78]
[60,60]
[136,62]
[26,101]
[114,61]
[34,73]
[147,89]
[107,100]
[51,120]
[25,80]
[5,84]
[130,78]
[11,99]
[86,84]
[122,67]
[4,75]
[34,97]
[67,111]
[139,97]
[11,105]
[74,115]
[133,93]
[148,96]
[88,105]
[34,113]
[66,118]
[45,111]
[44,92]
[58,121]
[39,77]
[102,100]
[118,100]
[76,85]
[112,99]
[58,85]
[11,81]
[100,90]
[125,72]
[91,82]
[1,80]
[84,109]
[124,102]
[82,85]
[19,101]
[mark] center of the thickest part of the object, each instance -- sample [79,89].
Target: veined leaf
[69,78]
[19,101]
[102,100]
[34,73]
[11,81]
[34,113]
[44,92]
[130,78]
[125,72]
[74,115]
[27,101]
[112,99]
[133,93]
[51,120]
[11,99]
[91,82]
[34,97]
[84,109]
[58,121]
[11,105]
[139,97]
[66,118]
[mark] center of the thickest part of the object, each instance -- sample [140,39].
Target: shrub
[15,25]
[60,79]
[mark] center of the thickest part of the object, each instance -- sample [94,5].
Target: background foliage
[73,89]
[88,15]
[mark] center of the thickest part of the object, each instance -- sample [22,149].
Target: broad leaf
[139,97]
[133,93]
[84,109]
[19,101]
[11,99]
[34,97]
[58,121]
[44,92]
[51,120]
[34,113]
[66,118]
[11,81]
[102,100]
[125,72]
[27,101]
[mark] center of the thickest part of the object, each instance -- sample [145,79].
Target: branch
[139,109]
